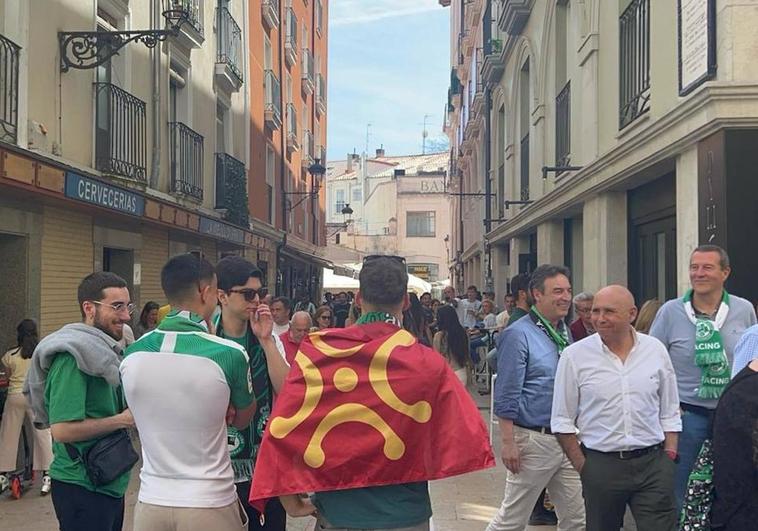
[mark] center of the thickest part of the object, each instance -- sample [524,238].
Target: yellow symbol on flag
[345,380]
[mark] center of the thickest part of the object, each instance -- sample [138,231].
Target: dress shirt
[616,406]
[746,350]
[526,362]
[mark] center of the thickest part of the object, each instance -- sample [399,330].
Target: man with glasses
[180,382]
[73,385]
[249,323]
[582,326]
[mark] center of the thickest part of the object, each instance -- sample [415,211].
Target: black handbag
[107,459]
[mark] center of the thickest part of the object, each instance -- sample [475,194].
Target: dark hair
[27,337]
[519,283]
[321,310]
[182,275]
[285,302]
[149,307]
[457,339]
[473,287]
[92,286]
[710,248]
[236,271]
[383,282]
[544,272]
[413,319]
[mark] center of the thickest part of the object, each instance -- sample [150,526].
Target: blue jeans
[474,345]
[695,430]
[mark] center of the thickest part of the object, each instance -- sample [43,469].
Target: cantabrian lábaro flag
[367,406]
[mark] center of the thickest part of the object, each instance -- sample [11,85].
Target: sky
[389,65]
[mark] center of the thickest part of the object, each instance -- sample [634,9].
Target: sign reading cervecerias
[103,194]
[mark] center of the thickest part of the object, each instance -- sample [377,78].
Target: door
[653,260]
[120,262]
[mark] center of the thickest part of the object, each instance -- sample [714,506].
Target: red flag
[367,406]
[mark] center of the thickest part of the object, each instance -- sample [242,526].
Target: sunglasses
[373,257]
[249,293]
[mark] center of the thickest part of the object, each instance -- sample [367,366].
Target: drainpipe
[488,184]
[283,141]
[155,17]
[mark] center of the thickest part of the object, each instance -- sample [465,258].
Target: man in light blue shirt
[528,352]
[746,350]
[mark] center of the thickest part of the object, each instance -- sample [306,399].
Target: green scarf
[377,317]
[710,355]
[559,337]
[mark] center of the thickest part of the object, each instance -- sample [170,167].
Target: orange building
[287,69]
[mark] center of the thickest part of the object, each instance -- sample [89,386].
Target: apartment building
[126,138]
[398,205]
[288,66]
[610,136]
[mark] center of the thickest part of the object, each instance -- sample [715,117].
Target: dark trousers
[79,509]
[645,483]
[275,515]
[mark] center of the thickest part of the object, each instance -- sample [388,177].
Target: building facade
[400,206]
[117,161]
[612,137]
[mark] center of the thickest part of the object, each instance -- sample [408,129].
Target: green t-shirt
[385,507]
[71,395]
[517,314]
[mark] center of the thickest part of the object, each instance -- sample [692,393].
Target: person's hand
[305,507]
[231,414]
[127,418]
[511,456]
[579,464]
[262,322]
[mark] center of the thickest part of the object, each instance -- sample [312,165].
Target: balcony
[290,40]
[514,14]
[493,64]
[292,136]
[320,95]
[9,59]
[563,126]
[120,133]
[634,53]
[273,109]
[229,51]
[186,154]
[307,83]
[231,189]
[191,33]
[307,151]
[270,12]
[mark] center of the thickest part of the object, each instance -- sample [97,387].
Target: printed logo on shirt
[704,330]
[234,441]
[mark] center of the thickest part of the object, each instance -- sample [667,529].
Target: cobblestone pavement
[463,503]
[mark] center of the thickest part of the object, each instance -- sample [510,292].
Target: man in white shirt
[468,308]
[618,389]
[280,310]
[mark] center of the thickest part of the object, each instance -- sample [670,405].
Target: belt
[538,429]
[628,454]
[697,410]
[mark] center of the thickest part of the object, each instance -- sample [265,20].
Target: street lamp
[89,49]
[317,171]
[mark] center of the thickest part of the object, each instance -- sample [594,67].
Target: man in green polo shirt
[82,402]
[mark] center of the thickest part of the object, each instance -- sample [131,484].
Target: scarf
[559,337]
[709,348]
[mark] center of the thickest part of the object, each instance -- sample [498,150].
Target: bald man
[617,388]
[300,325]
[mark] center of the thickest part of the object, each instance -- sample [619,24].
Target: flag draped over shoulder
[367,406]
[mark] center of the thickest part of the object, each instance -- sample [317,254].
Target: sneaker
[4,483]
[545,517]
[47,484]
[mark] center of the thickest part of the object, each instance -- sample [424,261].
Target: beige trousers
[148,517]
[543,464]
[15,411]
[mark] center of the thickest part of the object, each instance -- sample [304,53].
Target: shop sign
[221,230]
[103,195]
[422,271]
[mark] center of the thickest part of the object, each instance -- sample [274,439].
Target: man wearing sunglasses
[247,321]
[73,385]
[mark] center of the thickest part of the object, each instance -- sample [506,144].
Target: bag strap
[73,452]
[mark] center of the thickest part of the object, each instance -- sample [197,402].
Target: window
[357,194]
[634,61]
[562,85]
[319,17]
[270,180]
[524,128]
[340,201]
[220,128]
[420,224]
[501,157]
[268,61]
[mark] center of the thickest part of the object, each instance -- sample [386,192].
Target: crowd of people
[642,419]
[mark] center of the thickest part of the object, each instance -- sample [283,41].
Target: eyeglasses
[118,306]
[372,257]
[249,293]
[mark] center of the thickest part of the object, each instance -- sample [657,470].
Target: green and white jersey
[178,381]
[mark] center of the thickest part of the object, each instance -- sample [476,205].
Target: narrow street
[463,503]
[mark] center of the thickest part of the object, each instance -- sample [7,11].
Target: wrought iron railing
[120,133]
[563,126]
[229,42]
[634,61]
[525,168]
[231,189]
[9,58]
[292,125]
[186,160]
[270,9]
[273,95]
[192,10]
